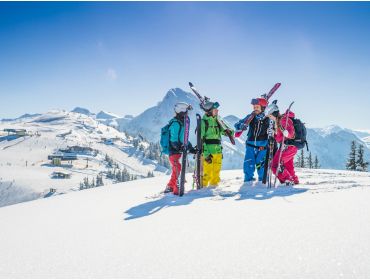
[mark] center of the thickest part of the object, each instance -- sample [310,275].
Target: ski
[267,175]
[220,121]
[198,164]
[252,115]
[281,148]
[184,154]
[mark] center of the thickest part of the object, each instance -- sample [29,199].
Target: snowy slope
[25,171]
[320,229]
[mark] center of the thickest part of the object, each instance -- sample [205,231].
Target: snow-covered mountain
[332,145]
[21,117]
[82,111]
[26,145]
[103,115]
[320,229]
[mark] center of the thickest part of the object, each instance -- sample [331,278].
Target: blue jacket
[176,136]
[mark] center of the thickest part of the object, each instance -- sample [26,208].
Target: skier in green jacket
[211,132]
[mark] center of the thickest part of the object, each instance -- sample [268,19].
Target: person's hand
[193,150]
[208,159]
[285,133]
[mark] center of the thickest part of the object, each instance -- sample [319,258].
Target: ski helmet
[182,107]
[259,101]
[272,109]
[208,106]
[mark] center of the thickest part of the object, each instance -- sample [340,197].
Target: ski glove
[176,146]
[191,149]
[209,159]
[285,133]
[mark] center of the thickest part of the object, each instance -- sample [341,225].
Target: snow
[319,229]
[25,171]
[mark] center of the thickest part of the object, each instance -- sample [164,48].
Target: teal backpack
[165,137]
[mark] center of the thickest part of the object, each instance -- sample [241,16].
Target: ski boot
[168,189]
[289,183]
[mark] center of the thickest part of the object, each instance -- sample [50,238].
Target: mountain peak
[106,115]
[82,111]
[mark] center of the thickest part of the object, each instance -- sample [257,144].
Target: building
[61,175]
[17,132]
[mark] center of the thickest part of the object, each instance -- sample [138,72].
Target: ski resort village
[184,139]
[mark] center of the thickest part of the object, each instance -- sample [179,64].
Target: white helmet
[272,108]
[182,107]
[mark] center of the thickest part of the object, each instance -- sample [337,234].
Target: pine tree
[351,162]
[361,164]
[309,161]
[316,163]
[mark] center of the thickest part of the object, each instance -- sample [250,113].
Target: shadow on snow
[164,201]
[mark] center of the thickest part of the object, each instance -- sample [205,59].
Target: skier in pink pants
[284,127]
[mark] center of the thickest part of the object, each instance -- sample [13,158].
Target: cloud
[111,74]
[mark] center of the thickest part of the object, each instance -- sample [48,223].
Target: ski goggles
[259,101]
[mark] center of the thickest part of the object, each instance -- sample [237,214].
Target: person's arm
[287,128]
[175,137]
[240,124]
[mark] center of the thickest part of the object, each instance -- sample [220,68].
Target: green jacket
[211,130]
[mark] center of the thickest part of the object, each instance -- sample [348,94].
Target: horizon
[99,56]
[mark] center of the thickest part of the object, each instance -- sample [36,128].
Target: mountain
[332,145]
[27,173]
[103,115]
[150,122]
[25,116]
[320,229]
[83,111]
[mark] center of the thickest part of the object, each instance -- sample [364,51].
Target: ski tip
[191,84]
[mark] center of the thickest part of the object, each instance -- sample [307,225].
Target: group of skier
[266,129]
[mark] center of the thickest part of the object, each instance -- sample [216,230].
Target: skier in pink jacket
[285,129]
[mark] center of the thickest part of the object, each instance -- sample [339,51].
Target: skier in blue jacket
[257,140]
[176,145]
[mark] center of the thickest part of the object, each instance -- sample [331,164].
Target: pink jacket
[282,125]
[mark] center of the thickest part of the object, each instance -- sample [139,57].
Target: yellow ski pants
[211,171]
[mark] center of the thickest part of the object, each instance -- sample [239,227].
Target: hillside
[26,172]
[319,229]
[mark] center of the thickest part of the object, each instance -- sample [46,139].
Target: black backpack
[300,139]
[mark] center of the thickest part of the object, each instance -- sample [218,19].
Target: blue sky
[124,56]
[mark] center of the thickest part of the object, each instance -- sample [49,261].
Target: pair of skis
[184,154]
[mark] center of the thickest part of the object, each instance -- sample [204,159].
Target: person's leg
[249,164]
[207,172]
[275,164]
[216,169]
[287,161]
[176,170]
[260,163]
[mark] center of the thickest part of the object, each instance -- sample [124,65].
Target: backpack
[300,139]
[165,137]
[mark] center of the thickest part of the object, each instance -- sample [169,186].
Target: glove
[209,159]
[193,150]
[285,133]
[243,127]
